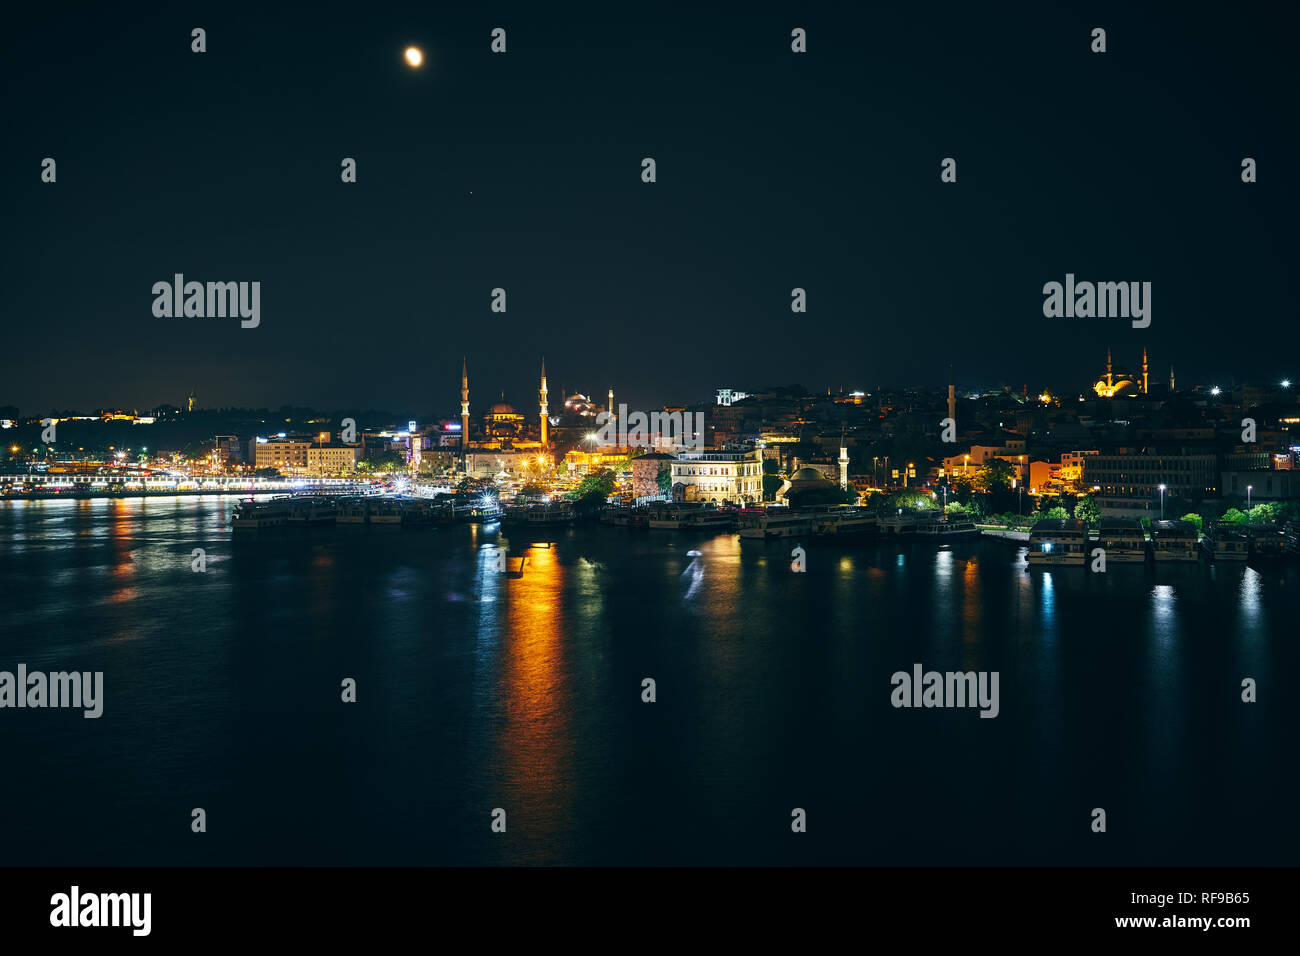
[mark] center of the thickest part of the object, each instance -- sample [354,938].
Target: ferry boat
[666,516]
[621,517]
[946,529]
[1267,542]
[314,510]
[617,516]
[1174,541]
[253,515]
[905,523]
[843,522]
[1226,543]
[774,523]
[351,511]
[1123,539]
[384,511]
[424,512]
[1292,534]
[1057,541]
[709,519]
[533,516]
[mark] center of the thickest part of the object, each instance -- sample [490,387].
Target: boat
[383,511]
[253,515]
[663,517]
[946,529]
[905,522]
[768,523]
[351,511]
[1057,541]
[842,522]
[709,520]
[623,517]
[1174,541]
[1225,542]
[1123,539]
[534,516]
[1267,542]
[313,510]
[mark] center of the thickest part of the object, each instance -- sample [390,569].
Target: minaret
[952,397]
[844,462]
[610,407]
[1109,378]
[1171,379]
[1144,370]
[543,397]
[464,409]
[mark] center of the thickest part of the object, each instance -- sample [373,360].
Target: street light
[1162,502]
[1248,487]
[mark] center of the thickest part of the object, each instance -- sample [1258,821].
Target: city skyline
[522,171]
[515,393]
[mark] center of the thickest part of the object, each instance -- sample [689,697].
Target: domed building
[805,482]
[579,404]
[503,421]
[1121,384]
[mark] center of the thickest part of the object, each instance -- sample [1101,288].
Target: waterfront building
[724,475]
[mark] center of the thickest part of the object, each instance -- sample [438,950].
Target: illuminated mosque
[1121,384]
[505,440]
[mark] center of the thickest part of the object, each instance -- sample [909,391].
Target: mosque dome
[807,473]
[503,408]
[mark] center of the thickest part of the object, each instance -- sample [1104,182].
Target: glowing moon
[413,56]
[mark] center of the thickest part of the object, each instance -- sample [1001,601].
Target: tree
[995,475]
[383,461]
[1263,513]
[771,485]
[665,479]
[1194,519]
[1057,512]
[1087,510]
[594,489]
[1233,516]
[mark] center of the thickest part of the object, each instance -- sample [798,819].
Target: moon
[414,56]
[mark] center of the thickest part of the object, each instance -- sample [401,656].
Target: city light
[1215,390]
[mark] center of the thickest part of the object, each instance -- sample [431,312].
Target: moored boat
[1057,541]
[1225,543]
[946,529]
[1123,539]
[768,523]
[843,522]
[253,515]
[1174,541]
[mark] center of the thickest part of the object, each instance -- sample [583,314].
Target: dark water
[477,690]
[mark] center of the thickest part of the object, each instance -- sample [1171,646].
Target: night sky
[523,171]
